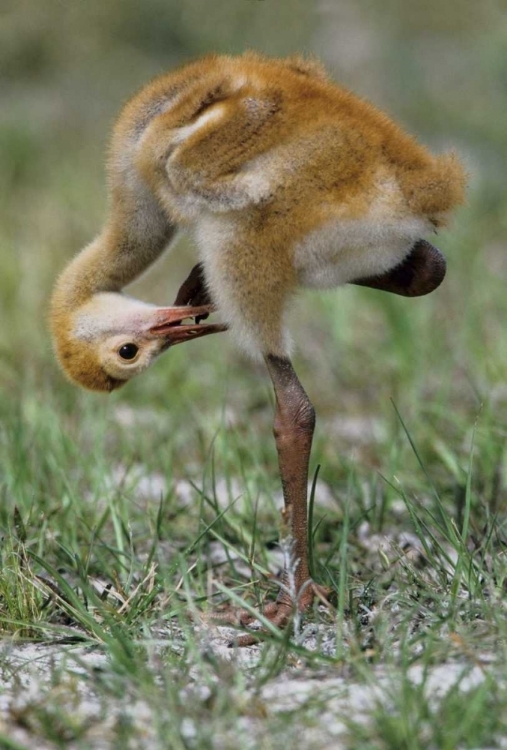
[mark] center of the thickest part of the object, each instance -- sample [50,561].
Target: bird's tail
[436,189]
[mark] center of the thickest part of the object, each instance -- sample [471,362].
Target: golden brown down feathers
[284,179]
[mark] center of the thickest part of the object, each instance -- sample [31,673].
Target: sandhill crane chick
[285,180]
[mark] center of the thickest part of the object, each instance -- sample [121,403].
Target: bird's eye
[128,351]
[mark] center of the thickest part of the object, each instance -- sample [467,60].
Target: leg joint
[304,418]
[298,420]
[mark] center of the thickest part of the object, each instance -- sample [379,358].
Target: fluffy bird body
[285,180]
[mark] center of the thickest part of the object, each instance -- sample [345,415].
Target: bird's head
[110,338]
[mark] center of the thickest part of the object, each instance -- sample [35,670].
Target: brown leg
[293,428]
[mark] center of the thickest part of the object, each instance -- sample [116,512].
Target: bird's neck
[112,261]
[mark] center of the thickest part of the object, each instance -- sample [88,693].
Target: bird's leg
[293,429]
[193,290]
[419,273]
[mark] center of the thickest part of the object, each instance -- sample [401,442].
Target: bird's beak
[167,324]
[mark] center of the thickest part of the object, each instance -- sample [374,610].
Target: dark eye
[128,351]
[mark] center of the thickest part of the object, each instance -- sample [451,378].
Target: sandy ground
[65,677]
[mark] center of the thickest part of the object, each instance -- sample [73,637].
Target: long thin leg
[293,428]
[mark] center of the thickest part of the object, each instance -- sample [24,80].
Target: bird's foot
[278,613]
[194,292]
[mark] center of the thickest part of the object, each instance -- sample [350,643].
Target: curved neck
[131,241]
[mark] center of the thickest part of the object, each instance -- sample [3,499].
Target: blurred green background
[99,487]
[440,68]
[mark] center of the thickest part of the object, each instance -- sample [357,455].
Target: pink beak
[168,324]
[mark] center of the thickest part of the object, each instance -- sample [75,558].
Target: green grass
[124,518]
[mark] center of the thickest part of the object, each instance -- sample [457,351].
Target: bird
[285,180]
